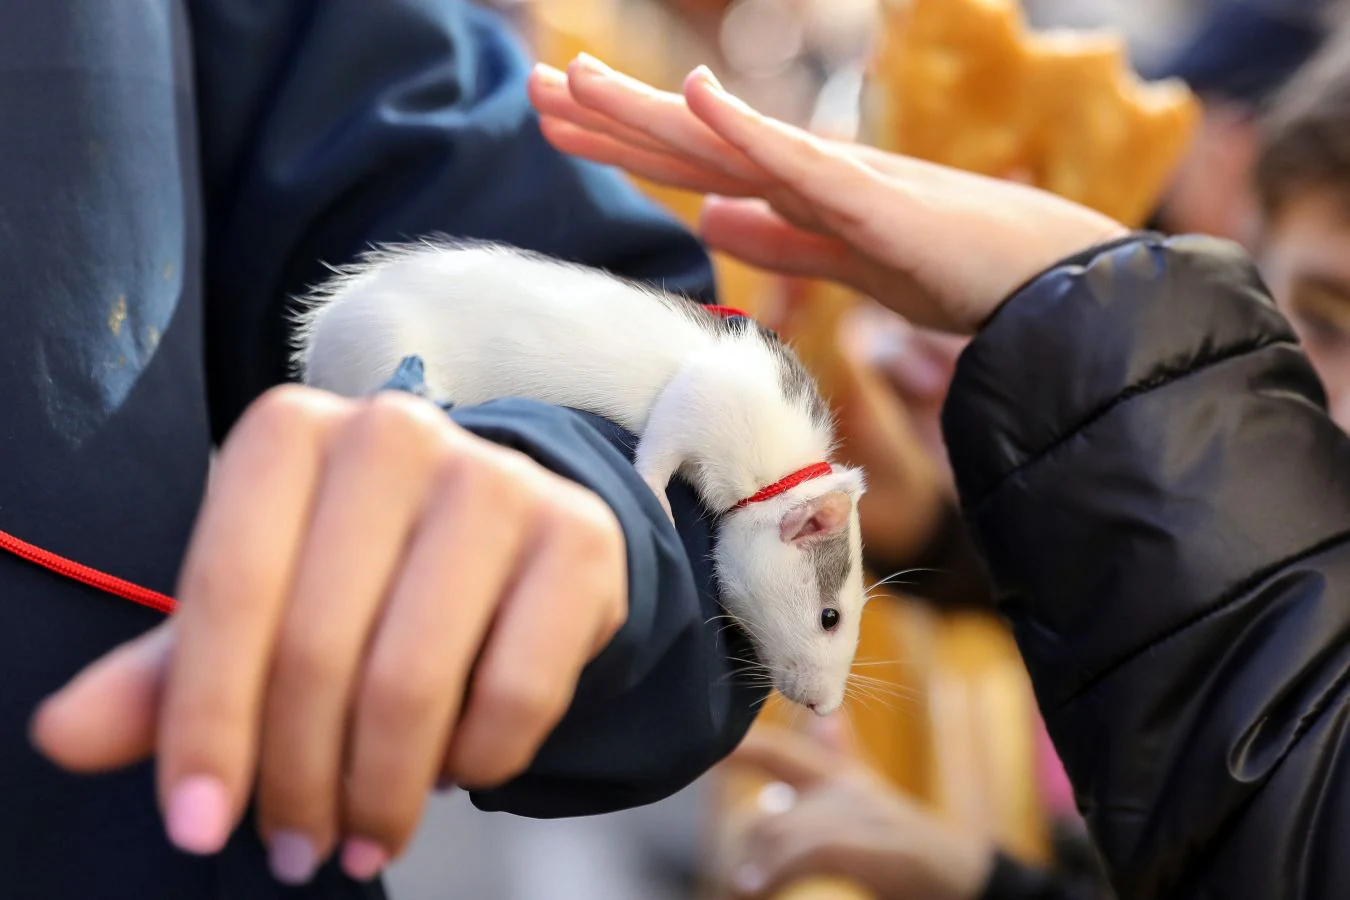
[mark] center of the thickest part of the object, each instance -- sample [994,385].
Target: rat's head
[791,571]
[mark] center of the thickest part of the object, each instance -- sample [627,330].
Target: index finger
[236,577]
[662,116]
[839,189]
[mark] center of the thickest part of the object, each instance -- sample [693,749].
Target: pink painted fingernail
[198,815]
[363,859]
[292,857]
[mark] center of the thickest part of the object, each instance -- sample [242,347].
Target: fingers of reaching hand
[236,578]
[601,115]
[753,231]
[664,118]
[839,188]
[655,165]
[551,95]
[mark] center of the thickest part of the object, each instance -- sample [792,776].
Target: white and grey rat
[722,402]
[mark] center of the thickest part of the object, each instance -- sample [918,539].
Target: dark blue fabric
[170,172]
[1245,50]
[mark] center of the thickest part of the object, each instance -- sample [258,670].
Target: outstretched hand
[847,821]
[939,246]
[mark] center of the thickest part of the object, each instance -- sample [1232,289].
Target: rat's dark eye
[829,619]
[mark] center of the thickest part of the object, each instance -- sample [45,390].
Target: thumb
[105,718]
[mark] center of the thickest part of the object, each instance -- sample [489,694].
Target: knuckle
[285,413]
[393,423]
[578,518]
[592,540]
[519,698]
[303,660]
[484,476]
[495,762]
[398,696]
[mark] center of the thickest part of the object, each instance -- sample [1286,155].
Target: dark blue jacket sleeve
[329,126]
[1145,459]
[661,704]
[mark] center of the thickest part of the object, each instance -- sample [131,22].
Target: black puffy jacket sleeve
[1143,454]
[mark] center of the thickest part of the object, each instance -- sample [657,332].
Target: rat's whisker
[894,575]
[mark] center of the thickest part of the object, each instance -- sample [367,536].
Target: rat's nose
[811,706]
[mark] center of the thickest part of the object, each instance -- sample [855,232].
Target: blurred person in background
[1303,183]
[1239,55]
[172,175]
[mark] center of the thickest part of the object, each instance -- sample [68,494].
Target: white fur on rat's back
[708,402]
[491,321]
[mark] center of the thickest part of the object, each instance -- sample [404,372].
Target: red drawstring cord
[120,587]
[92,577]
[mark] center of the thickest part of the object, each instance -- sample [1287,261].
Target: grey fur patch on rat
[797,383]
[831,560]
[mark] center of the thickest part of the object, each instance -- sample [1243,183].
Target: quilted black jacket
[1144,458]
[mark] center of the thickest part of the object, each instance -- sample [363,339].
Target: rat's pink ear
[819,517]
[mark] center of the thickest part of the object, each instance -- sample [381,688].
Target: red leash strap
[783,485]
[92,577]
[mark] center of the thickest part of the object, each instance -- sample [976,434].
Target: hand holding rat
[898,229]
[848,822]
[352,563]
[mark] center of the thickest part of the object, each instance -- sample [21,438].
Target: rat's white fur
[707,401]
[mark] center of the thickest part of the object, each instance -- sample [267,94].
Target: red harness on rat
[120,587]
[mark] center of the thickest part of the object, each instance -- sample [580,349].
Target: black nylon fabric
[1144,457]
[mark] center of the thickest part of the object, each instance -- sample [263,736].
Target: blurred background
[957,731]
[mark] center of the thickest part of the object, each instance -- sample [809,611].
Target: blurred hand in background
[841,818]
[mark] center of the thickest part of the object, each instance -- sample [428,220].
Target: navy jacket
[1145,459]
[170,174]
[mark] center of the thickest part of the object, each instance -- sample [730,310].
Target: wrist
[1109,241]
